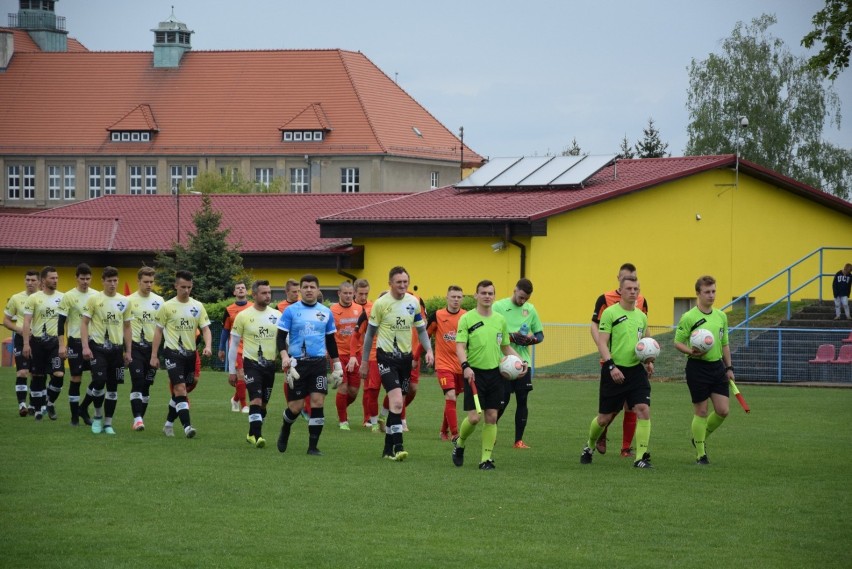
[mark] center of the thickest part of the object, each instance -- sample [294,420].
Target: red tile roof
[261,223]
[449,205]
[219,102]
[24,43]
[312,118]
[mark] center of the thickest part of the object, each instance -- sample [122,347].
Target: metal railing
[40,21]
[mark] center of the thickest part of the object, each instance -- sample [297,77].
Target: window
[318,135]
[263,176]
[94,182]
[146,136]
[175,177]
[433,179]
[180,174]
[54,183]
[115,137]
[109,180]
[135,180]
[69,180]
[14,182]
[349,180]
[150,180]
[234,173]
[130,136]
[297,136]
[134,137]
[300,182]
[288,136]
[681,306]
[29,182]
[125,137]
[191,175]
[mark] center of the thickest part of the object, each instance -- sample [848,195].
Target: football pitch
[776,494]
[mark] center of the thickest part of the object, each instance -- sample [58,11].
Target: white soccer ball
[511,367]
[647,349]
[702,340]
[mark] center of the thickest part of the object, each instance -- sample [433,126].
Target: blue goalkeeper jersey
[307,326]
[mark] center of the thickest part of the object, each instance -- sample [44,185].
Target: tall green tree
[651,146]
[785,100]
[214,263]
[833,29]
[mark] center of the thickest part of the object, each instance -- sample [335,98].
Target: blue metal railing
[791,290]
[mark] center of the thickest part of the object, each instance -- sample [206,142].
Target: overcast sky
[522,77]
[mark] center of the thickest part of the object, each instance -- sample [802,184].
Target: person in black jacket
[841,287]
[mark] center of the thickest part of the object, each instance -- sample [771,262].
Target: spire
[171,41]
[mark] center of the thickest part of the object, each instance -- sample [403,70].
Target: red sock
[342,401]
[371,397]
[628,429]
[308,405]
[450,417]
[409,397]
[241,392]
[444,426]
[385,404]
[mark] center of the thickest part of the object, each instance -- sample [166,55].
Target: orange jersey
[417,349]
[346,321]
[443,325]
[284,304]
[231,312]
[357,343]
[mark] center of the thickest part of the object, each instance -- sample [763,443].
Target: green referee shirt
[716,322]
[484,336]
[625,328]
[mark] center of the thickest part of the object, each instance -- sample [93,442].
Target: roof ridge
[361,100]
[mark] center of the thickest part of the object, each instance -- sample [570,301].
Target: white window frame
[191,173]
[350,180]
[54,182]
[288,136]
[95,181]
[300,181]
[13,180]
[136,180]
[69,182]
[175,177]
[150,180]
[434,178]
[28,179]
[317,136]
[263,176]
[110,179]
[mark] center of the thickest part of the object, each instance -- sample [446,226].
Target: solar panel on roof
[536,171]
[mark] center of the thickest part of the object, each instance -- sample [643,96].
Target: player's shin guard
[341,401]
[21,389]
[136,403]
[451,417]
[714,421]
[87,400]
[182,408]
[54,388]
[643,436]
[628,430]
[394,427]
[315,425]
[98,394]
[489,437]
[699,434]
[255,420]
[286,426]
[595,432]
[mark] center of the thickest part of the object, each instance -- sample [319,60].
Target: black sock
[37,392]
[255,421]
[171,417]
[110,402]
[315,425]
[394,427]
[54,388]
[21,389]
[182,406]
[521,414]
[145,389]
[74,400]
[87,400]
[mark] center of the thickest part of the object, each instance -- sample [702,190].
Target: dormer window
[130,136]
[302,136]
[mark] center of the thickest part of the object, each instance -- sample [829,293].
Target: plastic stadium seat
[848,340]
[825,354]
[844,356]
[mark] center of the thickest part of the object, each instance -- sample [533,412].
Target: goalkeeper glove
[292,374]
[336,375]
[519,339]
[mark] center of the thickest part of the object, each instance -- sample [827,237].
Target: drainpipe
[340,270]
[523,249]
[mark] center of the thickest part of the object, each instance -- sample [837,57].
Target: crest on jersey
[272,319]
[410,309]
[194,311]
[121,306]
[320,316]
[156,305]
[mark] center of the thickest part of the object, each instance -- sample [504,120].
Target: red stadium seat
[825,354]
[848,340]
[844,356]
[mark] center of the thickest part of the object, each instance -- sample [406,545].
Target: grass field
[776,494]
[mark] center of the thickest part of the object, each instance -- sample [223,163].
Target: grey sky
[523,78]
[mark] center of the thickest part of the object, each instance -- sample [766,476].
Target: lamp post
[176,192]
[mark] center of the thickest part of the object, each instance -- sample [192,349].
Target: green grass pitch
[775,495]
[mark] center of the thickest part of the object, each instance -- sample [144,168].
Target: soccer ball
[511,367]
[702,340]
[647,349]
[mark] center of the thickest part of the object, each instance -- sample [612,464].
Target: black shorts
[45,356]
[76,363]
[395,371]
[260,379]
[313,378]
[180,366]
[491,388]
[140,364]
[704,378]
[107,366]
[522,384]
[636,389]
[21,363]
